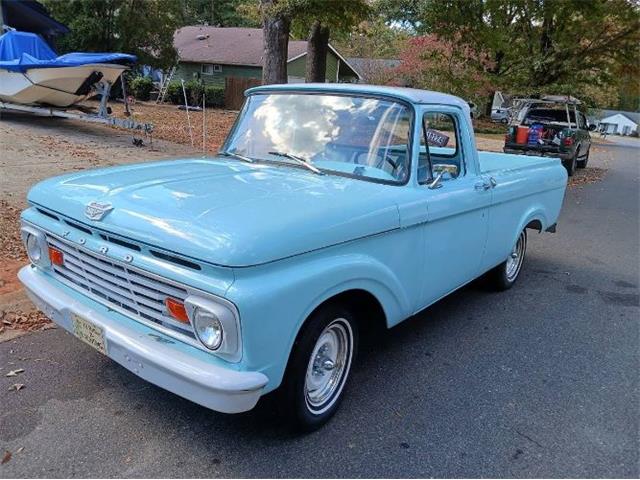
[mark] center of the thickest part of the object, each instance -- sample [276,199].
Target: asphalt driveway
[540,381]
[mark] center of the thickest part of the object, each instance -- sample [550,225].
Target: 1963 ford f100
[330,210]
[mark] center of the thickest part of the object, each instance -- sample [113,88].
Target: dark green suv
[551,129]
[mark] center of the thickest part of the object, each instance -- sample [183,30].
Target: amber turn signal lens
[56,256]
[177,310]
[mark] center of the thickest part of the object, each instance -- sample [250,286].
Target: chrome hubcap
[328,366]
[516,257]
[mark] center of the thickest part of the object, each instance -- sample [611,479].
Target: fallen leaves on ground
[16,387]
[172,124]
[6,457]
[586,176]
[10,242]
[69,148]
[31,321]
[15,373]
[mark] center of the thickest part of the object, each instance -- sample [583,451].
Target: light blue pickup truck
[331,210]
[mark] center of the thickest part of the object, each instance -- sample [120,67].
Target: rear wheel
[571,164]
[504,276]
[582,163]
[319,367]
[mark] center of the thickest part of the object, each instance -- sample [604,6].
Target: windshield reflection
[361,137]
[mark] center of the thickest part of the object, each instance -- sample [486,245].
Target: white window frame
[210,68]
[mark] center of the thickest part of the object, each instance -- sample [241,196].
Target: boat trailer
[102,116]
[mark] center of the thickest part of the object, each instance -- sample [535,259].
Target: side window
[583,121]
[439,144]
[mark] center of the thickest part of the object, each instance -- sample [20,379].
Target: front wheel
[319,367]
[504,276]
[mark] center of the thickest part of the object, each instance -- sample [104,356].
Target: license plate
[89,333]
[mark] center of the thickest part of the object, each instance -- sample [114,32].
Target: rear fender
[536,212]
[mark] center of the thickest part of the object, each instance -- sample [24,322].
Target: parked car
[555,129]
[330,210]
[500,115]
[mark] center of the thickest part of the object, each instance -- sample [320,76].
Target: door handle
[486,184]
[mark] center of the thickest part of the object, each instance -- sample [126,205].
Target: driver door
[455,232]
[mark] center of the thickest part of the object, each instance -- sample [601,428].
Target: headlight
[208,328]
[36,245]
[216,324]
[34,250]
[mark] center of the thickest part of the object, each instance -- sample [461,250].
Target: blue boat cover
[20,51]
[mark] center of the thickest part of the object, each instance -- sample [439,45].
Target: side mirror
[440,169]
[592,127]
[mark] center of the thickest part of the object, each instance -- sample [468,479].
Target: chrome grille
[118,286]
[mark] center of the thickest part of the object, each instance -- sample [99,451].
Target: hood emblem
[97,211]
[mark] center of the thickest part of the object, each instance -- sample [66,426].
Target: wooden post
[186,106]
[204,125]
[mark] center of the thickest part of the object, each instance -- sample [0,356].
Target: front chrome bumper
[160,362]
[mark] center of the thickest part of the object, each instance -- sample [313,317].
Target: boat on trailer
[34,79]
[32,74]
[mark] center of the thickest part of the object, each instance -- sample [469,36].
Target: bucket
[522,135]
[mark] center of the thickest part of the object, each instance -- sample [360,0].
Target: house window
[210,68]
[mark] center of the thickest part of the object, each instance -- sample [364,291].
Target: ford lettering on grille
[134,292]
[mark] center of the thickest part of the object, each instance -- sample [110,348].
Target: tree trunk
[317,49]
[275,28]
[489,107]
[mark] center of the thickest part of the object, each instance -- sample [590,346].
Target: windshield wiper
[227,153]
[299,160]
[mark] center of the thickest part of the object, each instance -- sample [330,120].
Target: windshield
[366,138]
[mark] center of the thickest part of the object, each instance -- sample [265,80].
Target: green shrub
[141,87]
[214,96]
[195,89]
[174,93]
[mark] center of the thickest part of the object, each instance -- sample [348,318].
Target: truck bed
[494,161]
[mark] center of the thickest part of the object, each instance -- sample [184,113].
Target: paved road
[541,381]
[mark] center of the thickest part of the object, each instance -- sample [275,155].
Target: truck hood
[224,211]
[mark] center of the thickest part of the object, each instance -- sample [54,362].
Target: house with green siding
[212,53]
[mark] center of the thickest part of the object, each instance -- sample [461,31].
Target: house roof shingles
[226,46]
